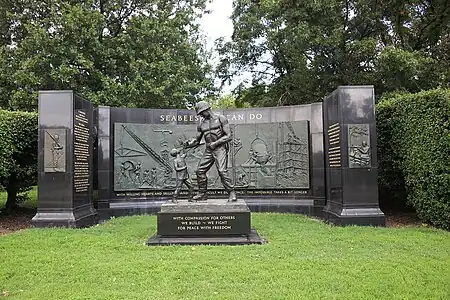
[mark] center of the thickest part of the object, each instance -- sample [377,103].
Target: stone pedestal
[213,222]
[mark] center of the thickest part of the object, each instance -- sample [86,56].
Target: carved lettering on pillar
[81,170]
[334,150]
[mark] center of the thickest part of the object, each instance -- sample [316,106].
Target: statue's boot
[174,200]
[232,196]
[202,182]
[201,196]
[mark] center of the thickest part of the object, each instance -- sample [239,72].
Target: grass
[304,259]
[29,203]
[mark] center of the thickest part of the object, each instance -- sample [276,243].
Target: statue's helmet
[201,106]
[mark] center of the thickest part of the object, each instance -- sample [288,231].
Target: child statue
[180,167]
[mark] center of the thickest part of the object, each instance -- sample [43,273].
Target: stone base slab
[252,238]
[360,217]
[78,218]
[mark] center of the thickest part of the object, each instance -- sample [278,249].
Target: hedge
[18,153]
[414,153]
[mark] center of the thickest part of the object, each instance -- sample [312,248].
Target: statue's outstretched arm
[194,141]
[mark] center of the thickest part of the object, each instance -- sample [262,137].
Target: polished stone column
[65,161]
[351,157]
[105,170]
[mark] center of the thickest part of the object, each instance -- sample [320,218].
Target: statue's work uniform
[212,131]
[216,132]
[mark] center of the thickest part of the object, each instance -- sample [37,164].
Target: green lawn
[31,203]
[304,259]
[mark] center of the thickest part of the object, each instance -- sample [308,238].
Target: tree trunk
[11,202]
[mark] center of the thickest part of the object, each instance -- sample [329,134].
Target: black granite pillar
[105,167]
[350,156]
[65,161]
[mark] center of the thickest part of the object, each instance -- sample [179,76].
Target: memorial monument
[317,159]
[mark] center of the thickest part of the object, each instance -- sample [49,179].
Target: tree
[135,53]
[228,101]
[18,155]
[299,51]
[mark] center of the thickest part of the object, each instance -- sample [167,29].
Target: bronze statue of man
[216,131]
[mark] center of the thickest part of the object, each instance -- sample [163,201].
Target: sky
[218,24]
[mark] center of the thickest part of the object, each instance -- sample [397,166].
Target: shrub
[414,152]
[392,192]
[18,154]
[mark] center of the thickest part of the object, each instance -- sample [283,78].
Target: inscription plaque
[81,135]
[212,218]
[359,146]
[204,224]
[54,150]
[334,151]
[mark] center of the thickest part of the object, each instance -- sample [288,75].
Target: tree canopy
[135,53]
[299,51]
[150,53]
[228,101]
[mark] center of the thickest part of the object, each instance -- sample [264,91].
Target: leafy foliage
[414,149]
[229,101]
[18,154]
[399,69]
[135,53]
[299,51]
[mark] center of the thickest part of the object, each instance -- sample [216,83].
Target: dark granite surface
[347,187]
[59,203]
[352,190]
